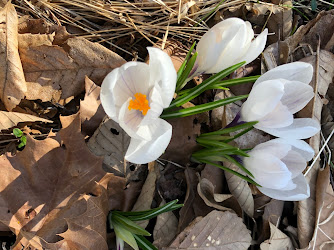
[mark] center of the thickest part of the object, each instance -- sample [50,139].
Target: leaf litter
[62,190]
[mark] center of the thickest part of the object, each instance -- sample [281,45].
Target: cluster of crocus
[136,94]
[274,98]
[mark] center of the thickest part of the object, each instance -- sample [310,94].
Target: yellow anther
[139,103]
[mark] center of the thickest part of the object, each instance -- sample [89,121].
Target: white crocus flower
[134,95]
[227,43]
[276,96]
[277,165]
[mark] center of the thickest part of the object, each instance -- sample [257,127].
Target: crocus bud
[276,96]
[227,43]
[277,165]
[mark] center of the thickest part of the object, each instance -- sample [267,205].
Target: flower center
[139,103]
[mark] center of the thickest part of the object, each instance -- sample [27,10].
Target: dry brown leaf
[216,177]
[58,72]
[11,119]
[306,208]
[194,205]
[277,15]
[323,233]
[240,189]
[165,229]
[56,186]
[217,230]
[27,40]
[111,142]
[145,198]
[277,241]
[272,215]
[308,34]
[205,190]
[12,83]
[91,110]
[183,142]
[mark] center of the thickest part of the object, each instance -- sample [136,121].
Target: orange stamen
[139,103]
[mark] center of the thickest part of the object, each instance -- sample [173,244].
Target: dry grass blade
[107,22]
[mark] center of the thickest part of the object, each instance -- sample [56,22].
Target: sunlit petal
[296,190]
[273,147]
[301,128]
[294,162]
[141,151]
[296,95]
[107,96]
[303,148]
[278,118]
[262,100]
[264,166]
[296,71]
[256,47]
[162,73]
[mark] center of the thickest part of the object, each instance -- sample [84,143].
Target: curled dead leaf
[205,190]
[12,83]
[277,240]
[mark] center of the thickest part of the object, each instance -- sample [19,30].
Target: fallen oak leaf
[50,182]
[12,83]
[54,73]
[91,110]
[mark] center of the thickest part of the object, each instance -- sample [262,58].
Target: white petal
[141,152]
[264,166]
[256,47]
[107,95]
[296,190]
[163,74]
[134,77]
[232,50]
[296,71]
[295,163]
[278,118]
[207,52]
[301,128]
[129,120]
[274,147]
[296,95]
[213,45]
[156,106]
[262,99]
[250,32]
[303,148]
